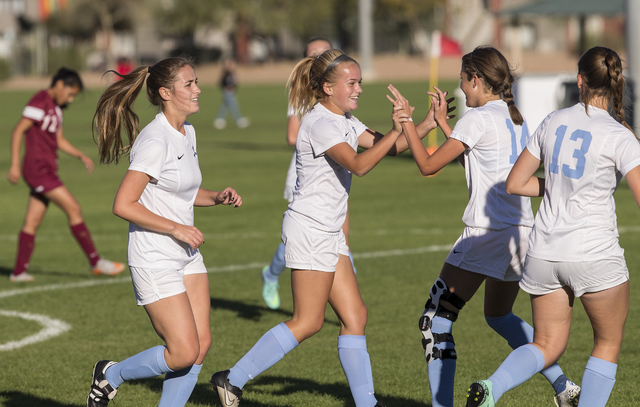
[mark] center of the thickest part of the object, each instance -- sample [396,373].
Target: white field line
[50,328]
[242,235]
[54,327]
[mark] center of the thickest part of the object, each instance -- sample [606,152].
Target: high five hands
[402,110]
[440,110]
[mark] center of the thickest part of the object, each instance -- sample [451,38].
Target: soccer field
[402,226]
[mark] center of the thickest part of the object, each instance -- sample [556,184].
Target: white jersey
[493,145]
[170,159]
[585,156]
[320,198]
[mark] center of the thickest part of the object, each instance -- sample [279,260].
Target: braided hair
[489,64]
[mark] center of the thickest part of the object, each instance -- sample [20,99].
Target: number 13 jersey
[585,156]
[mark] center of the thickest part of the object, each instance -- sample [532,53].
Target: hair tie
[149,69]
[478,73]
[510,103]
[333,64]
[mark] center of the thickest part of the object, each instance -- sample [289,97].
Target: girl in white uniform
[493,244]
[157,196]
[574,249]
[323,90]
[271,273]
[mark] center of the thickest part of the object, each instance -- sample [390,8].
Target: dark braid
[489,64]
[601,71]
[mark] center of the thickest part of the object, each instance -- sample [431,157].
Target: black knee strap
[440,312]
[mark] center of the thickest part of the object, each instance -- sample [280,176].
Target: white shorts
[494,253]
[305,249]
[543,277]
[151,285]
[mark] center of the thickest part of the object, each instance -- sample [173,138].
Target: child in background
[229,83]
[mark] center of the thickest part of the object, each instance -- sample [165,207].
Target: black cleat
[229,394]
[101,391]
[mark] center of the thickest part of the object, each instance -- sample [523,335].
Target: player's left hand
[229,196]
[88,163]
[402,110]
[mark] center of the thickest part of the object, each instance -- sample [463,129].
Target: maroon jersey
[41,143]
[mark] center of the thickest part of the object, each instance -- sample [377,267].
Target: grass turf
[400,222]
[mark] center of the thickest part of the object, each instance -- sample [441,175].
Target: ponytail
[115,110]
[115,106]
[306,82]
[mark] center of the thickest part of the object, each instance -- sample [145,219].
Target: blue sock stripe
[352,342]
[602,367]
[285,337]
[162,363]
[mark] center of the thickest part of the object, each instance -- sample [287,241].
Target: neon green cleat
[270,291]
[480,394]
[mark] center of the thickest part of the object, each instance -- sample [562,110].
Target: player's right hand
[14,175]
[191,235]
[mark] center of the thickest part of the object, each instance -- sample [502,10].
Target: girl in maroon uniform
[41,127]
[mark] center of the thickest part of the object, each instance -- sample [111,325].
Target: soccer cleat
[23,277]
[569,396]
[219,124]
[229,394]
[480,394]
[270,291]
[101,391]
[107,268]
[379,404]
[243,122]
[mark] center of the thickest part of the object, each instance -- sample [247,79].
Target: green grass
[392,208]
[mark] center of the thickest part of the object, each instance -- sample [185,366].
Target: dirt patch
[385,68]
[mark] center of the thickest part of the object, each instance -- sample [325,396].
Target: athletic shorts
[151,285]
[543,277]
[306,249]
[494,253]
[41,181]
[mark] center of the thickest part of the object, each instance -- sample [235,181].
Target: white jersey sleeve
[149,157]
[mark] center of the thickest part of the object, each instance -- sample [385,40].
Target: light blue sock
[517,333]
[353,265]
[352,350]
[517,368]
[146,364]
[269,349]
[277,265]
[178,386]
[597,382]
[442,371]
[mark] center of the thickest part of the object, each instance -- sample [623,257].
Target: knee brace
[432,308]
